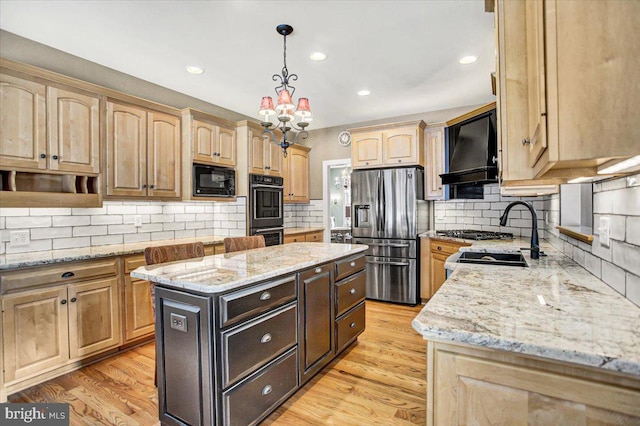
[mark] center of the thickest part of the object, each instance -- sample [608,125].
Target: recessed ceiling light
[194,69]
[364,92]
[468,59]
[317,56]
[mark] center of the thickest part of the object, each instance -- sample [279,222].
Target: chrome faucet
[535,244]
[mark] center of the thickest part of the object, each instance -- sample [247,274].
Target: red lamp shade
[303,109]
[266,106]
[284,101]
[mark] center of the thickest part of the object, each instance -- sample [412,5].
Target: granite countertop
[295,231]
[24,260]
[214,274]
[553,309]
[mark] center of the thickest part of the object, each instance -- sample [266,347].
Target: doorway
[336,206]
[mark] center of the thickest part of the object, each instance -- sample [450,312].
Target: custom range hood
[472,153]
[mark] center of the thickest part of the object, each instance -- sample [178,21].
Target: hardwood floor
[381,379]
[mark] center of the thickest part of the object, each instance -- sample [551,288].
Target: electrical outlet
[439,215]
[137,220]
[19,238]
[605,230]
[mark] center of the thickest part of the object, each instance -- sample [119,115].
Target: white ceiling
[405,52]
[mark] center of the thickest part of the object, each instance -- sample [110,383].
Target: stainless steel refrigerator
[388,214]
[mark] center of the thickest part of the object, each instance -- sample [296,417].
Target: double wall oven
[266,209]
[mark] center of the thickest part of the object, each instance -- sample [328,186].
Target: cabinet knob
[63,302]
[266,338]
[353,324]
[152,186]
[67,275]
[526,141]
[352,291]
[73,300]
[439,248]
[265,296]
[366,163]
[55,157]
[267,390]
[399,161]
[318,270]
[352,264]
[43,156]
[144,186]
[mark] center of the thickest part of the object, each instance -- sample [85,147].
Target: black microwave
[213,181]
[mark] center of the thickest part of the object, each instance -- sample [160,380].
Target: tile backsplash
[115,223]
[303,215]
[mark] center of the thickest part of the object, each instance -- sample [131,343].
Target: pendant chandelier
[284,109]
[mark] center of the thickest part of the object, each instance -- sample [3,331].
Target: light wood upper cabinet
[74,131]
[226,147]
[296,174]
[265,157]
[163,155]
[563,87]
[143,152]
[213,144]
[434,141]
[22,123]
[399,144]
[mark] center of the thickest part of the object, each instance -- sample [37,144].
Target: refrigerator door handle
[388,263]
[397,245]
[383,205]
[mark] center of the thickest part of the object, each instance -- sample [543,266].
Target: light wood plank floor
[379,380]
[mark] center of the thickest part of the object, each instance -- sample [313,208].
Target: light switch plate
[605,230]
[19,238]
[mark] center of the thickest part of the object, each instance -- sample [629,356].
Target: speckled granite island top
[35,258]
[553,309]
[214,274]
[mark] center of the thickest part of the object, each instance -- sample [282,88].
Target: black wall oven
[266,208]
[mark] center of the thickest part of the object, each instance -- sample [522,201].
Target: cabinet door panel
[435,162]
[537,85]
[400,146]
[93,317]
[163,155]
[35,332]
[275,158]
[257,156]
[226,147]
[139,320]
[74,130]
[126,150]
[22,123]
[299,175]
[366,150]
[204,135]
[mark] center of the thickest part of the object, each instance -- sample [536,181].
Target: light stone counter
[296,231]
[214,274]
[24,260]
[553,309]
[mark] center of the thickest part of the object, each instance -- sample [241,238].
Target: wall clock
[344,138]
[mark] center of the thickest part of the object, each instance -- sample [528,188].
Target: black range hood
[472,150]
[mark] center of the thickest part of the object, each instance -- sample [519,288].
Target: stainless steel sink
[484,258]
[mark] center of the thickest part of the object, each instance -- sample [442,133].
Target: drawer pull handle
[266,338]
[267,390]
[318,270]
[353,324]
[68,275]
[352,264]
[352,291]
[265,296]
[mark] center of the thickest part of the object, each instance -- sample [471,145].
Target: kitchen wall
[484,214]
[619,264]
[303,215]
[114,223]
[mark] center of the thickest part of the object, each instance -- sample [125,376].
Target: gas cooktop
[471,234]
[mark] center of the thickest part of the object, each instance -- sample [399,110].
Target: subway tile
[49,211]
[633,230]
[124,209]
[228,209]
[613,184]
[150,227]
[173,226]
[238,217]
[122,229]
[218,216]
[131,218]
[185,217]
[481,206]
[89,211]
[86,231]
[35,245]
[136,238]
[614,276]
[579,256]
[71,220]
[13,222]
[5,211]
[150,209]
[164,235]
[195,225]
[105,240]
[50,233]
[617,225]
[626,256]
[206,216]
[228,224]
[173,209]
[161,218]
[64,243]
[3,249]
[188,233]
[633,288]
[113,219]
[236,233]
[603,253]
[491,197]
[194,209]
[2,222]
[491,213]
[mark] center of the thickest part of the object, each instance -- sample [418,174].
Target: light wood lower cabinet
[435,253]
[45,329]
[304,237]
[466,385]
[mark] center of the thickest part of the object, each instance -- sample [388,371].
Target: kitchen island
[543,344]
[238,333]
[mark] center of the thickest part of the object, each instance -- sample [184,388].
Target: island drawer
[348,266]
[252,400]
[350,326]
[47,275]
[350,292]
[251,301]
[250,346]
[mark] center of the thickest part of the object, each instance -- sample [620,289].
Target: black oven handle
[267,186]
[264,230]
